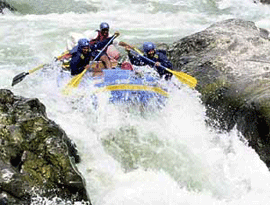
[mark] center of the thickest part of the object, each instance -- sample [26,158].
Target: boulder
[4,5]
[231,62]
[264,1]
[37,158]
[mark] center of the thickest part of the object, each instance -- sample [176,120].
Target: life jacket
[98,38]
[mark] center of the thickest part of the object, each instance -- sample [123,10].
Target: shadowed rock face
[231,62]
[37,158]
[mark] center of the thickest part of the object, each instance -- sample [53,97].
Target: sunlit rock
[231,62]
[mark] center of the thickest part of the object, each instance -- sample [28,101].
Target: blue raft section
[125,86]
[129,87]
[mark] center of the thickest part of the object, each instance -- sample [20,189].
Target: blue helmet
[83,42]
[104,25]
[148,46]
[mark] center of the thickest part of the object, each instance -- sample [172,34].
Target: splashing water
[132,155]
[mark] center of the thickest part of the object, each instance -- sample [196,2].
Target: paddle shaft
[114,36]
[151,61]
[42,65]
[183,77]
[75,81]
[136,51]
[18,78]
[124,44]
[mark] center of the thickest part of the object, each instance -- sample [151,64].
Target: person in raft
[84,52]
[112,53]
[158,56]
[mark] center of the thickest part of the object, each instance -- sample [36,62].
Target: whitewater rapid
[131,157]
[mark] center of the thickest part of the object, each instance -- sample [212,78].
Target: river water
[130,156]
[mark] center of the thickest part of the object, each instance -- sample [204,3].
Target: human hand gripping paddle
[75,81]
[181,76]
[18,78]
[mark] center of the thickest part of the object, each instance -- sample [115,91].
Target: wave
[51,6]
[86,6]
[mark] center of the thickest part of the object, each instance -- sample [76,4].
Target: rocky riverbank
[37,158]
[231,62]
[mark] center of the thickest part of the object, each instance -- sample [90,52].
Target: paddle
[124,44]
[18,78]
[75,81]
[181,76]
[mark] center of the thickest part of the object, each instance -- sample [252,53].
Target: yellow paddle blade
[73,83]
[184,78]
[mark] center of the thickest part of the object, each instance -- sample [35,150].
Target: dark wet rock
[37,158]
[4,5]
[263,1]
[231,62]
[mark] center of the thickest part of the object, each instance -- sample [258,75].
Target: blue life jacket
[80,60]
[160,56]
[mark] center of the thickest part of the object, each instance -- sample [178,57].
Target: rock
[230,61]
[264,1]
[4,5]
[37,158]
